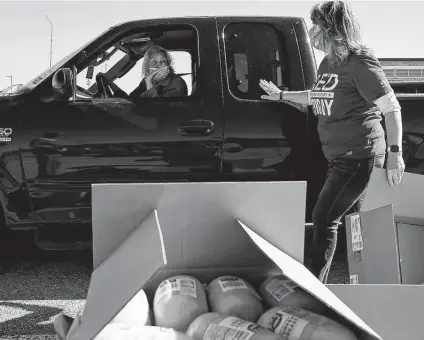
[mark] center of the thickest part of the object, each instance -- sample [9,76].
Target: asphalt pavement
[36,286]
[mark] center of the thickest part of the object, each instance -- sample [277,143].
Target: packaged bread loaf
[299,324]
[178,301]
[281,291]
[136,312]
[216,326]
[234,296]
[118,331]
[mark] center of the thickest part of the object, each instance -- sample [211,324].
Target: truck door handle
[196,127]
[232,148]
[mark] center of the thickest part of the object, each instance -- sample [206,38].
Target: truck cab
[66,130]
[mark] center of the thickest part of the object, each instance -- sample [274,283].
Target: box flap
[116,280]
[62,324]
[394,311]
[117,210]
[411,252]
[406,197]
[378,260]
[305,279]
[205,211]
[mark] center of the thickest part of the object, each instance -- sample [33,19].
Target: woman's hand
[149,79]
[395,168]
[161,74]
[274,93]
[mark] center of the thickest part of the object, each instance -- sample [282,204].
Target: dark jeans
[344,188]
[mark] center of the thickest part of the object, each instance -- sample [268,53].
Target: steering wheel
[131,53]
[83,90]
[103,89]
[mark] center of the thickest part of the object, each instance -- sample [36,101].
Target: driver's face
[157,61]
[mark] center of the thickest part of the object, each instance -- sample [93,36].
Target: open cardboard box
[144,233]
[385,240]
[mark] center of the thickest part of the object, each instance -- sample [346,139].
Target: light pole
[51,39]
[11,81]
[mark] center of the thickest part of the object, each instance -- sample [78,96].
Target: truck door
[69,146]
[263,140]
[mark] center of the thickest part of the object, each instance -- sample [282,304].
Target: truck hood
[5,101]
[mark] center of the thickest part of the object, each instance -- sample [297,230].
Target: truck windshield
[103,67]
[39,78]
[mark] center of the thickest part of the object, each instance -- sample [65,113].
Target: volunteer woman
[350,97]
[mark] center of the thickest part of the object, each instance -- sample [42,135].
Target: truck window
[122,60]
[182,65]
[253,51]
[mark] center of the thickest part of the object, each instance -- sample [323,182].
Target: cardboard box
[385,240]
[394,311]
[144,233]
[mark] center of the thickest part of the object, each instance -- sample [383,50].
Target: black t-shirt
[349,123]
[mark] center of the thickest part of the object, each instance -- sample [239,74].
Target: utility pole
[51,39]
[11,81]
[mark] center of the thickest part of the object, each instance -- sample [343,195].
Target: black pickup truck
[63,131]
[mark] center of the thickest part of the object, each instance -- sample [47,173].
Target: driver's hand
[149,79]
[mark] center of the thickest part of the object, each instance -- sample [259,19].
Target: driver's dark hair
[156,49]
[340,27]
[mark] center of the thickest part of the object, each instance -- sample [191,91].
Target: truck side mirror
[62,83]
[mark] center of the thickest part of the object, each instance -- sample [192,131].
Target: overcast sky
[391,28]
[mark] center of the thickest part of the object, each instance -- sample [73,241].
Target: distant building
[398,70]
[403,69]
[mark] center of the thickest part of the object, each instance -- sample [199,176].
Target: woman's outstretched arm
[275,94]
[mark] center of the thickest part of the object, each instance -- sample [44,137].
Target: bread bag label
[279,288]
[182,286]
[231,328]
[287,323]
[229,283]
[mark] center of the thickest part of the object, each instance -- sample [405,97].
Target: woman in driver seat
[159,78]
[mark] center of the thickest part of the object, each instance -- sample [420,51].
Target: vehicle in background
[10,90]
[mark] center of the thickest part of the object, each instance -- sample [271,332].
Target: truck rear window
[253,51]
